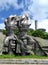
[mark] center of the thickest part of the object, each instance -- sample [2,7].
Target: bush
[35,33]
[46,36]
[16,31]
[30,31]
[4,32]
[38,33]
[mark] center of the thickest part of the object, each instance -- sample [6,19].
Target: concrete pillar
[35,24]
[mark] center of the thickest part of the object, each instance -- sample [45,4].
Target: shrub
[35,33]
[30,31]
[38,33]
[46,36]
[4,32]
[16,31]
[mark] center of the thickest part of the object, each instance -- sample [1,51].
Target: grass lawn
[22,57]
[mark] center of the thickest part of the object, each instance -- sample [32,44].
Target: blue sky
[36,9]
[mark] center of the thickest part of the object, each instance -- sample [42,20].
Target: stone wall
[1,41]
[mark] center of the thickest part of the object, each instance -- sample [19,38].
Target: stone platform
[24,61]
[23,64]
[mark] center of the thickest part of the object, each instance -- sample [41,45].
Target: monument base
[24,61]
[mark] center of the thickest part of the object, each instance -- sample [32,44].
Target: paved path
[23,64]
[24,61]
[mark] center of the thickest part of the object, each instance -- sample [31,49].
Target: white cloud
[2,26]
[37,8]
[32,24]
[8,3]
[41,24]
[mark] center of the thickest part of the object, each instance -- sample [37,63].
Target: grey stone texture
[17,44]
[24,61]
[22,43]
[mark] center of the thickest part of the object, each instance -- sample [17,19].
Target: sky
[36,9]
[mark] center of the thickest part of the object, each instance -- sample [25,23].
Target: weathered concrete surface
[1,41]
[23,64]
[23,61]
[12,62]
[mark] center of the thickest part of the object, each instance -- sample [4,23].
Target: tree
[46,35]
[16,31]
[38,33]
[4,32]
[30,31]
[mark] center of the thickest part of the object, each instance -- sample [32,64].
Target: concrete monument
[22,43]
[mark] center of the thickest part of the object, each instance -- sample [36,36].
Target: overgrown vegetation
[32,32]
[16,31]
[38,33]
[4,32]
